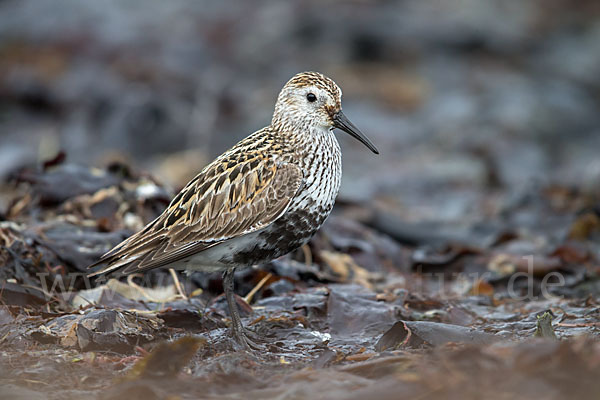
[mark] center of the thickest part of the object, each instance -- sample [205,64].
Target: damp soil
[372,306]
[463,262]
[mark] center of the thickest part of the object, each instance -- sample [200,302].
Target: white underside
[209,260]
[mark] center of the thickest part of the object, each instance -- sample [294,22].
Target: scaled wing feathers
[226,200]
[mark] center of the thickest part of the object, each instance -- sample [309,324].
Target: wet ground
[462,263]
[372,306]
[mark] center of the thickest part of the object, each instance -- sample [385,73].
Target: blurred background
[479,220]
[463,97]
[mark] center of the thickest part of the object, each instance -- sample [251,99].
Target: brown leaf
[584,226]
[167,359]
[343,265]
[419,333]
[481,287]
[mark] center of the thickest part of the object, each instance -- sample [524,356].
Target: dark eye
[311,97]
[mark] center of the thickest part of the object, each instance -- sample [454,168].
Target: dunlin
[259,200]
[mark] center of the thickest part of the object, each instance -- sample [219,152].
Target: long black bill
[341,122]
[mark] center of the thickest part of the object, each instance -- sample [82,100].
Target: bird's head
[311,99]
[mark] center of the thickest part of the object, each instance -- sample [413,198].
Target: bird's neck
[306,136]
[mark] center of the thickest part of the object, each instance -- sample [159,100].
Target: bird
[263,198]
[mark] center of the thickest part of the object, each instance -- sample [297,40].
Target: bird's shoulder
[252,182]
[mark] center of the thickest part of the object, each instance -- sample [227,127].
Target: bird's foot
[247,340]
[244,338]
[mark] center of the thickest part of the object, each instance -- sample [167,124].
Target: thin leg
[178,286]
[237,329]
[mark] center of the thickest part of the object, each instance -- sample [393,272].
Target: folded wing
[226,200]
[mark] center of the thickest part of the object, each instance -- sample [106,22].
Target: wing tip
[113,265]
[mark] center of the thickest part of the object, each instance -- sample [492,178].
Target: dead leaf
[167,359]
[419,333]
[343,265]
[481,287]
[584,226]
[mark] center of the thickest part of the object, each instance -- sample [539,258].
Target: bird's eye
[311,97]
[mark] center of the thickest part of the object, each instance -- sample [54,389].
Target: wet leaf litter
[462,263]
[358,304]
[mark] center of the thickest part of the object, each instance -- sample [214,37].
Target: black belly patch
[286,235]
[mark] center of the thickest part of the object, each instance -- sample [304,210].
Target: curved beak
[341,122]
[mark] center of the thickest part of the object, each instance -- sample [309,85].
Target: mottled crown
[310,78]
